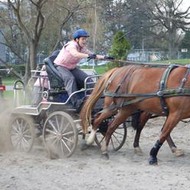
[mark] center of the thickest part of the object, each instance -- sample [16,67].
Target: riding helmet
[80,33]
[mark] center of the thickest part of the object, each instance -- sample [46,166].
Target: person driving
[67,60]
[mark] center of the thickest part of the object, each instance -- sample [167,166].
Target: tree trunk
[172,47]
[31,60]
[33,49]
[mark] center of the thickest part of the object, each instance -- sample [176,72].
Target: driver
[67,60]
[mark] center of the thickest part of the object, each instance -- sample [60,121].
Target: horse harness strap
[119,85]
[163,81]
[162,93]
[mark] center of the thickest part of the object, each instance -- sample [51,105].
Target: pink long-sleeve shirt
[70,55]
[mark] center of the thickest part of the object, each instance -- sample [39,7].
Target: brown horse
[161,91]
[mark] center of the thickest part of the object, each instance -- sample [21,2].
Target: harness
[162,92]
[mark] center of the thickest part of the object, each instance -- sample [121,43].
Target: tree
[185,45]
[114,18]
[169,19]
[26,20]
[120,46]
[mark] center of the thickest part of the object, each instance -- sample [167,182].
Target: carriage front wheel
[60,135]
[117,139]
[21,131]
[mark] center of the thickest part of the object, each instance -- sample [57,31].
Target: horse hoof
[153,161]
[52,156]
[105,156]
[138,151]
[178,152]
[84,146]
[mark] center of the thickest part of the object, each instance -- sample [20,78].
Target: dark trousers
[73,80]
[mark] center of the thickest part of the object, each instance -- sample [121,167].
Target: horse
[163,91]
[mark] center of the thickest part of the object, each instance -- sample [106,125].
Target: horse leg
[136,146]
[169,124]
[83,145]
[96,123]
[120,117]
[139,120]
[176,151]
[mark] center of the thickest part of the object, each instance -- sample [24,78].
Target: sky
[185,4]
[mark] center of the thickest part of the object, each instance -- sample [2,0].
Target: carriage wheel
[117,139]
[21,130]
[60,135]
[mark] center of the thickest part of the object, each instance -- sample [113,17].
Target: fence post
[1,91]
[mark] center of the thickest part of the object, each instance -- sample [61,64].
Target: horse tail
[136,119]
[139,119]
[85,114]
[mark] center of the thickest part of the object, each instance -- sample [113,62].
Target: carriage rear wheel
[117,139]
[21,130]
[60,135]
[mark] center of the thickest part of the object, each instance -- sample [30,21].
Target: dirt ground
[86,170]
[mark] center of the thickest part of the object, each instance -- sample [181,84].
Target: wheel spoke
[57,123]
[69,133]
[51,138]
[50,131]
[65,144]
[117,139]
[66,127]
[52,125]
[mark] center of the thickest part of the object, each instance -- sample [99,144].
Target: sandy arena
[86,170]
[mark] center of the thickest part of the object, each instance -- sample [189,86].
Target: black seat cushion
[53,74]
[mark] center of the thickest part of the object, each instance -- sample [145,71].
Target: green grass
[176,61]
[8,81]
[8,94]
[98,69]
[103,69]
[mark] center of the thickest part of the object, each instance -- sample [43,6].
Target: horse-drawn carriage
[49,114]
[149,88]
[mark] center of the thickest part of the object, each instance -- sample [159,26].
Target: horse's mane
[86,111]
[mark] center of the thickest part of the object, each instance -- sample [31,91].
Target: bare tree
[20,10]
[28,19]
[170,19]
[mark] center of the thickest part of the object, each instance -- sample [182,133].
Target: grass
[7,81]
[98,69]
[176,61]
[104,68]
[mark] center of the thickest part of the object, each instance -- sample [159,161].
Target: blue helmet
[80,33]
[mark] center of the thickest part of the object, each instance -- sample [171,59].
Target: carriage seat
[56,92]
[53,74]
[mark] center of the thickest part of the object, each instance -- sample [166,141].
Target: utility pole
[95,30]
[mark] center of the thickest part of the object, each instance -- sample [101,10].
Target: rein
[145,64]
